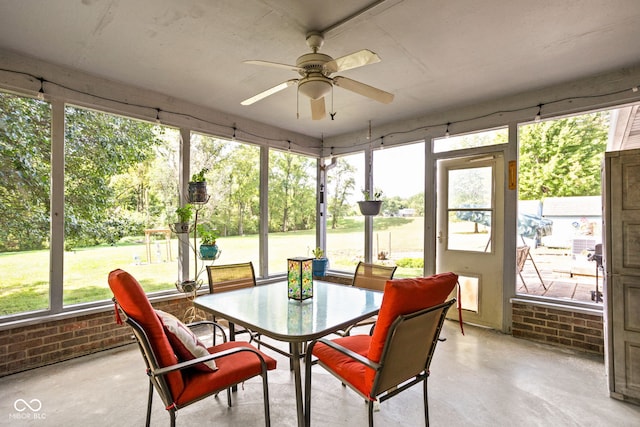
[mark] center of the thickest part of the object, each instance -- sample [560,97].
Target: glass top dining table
[267,310]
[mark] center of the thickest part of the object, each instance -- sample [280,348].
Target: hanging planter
[370,207]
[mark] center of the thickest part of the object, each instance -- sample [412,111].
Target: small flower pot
[188,286]
[209,252]
[198,192]
[320,267]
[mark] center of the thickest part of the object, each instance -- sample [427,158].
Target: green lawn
[25,275]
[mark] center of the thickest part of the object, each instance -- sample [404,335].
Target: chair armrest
[183,365]
[352,354]
[212,324]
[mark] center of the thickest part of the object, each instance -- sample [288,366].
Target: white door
[622,283]
[470,232]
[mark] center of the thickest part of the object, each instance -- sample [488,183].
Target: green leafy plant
[318,252]
[185,213]
[367,195]
[199,177]
[208,235]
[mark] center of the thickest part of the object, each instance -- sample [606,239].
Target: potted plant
[184,216]
[370,205]
[198,187]
[320,262]
[208,236]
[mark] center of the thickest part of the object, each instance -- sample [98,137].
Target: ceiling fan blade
[353,60]
[317,109]
[275,65]
[268,92]
[363,89]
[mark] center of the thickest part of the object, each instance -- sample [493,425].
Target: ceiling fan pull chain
[297,103]
[333,112]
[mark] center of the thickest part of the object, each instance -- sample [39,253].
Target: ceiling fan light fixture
[314,87]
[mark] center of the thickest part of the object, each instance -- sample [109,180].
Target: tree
[25,167]
[98,147]
[562,157]
[244,187]
[341,183]
[417,202]
[292,198]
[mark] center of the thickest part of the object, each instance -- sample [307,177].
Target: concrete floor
[484,378]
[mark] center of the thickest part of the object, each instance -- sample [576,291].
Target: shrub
[410,263]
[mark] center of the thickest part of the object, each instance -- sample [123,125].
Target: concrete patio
[565,276]
[483,378]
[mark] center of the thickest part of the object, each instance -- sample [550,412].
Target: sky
[398,171]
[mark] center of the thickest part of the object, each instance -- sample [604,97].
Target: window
[560,206]
[120,180]
[469,209]
[25,168]
[292,208]
[476,139]
[398,232]
[345,225]
[233,184]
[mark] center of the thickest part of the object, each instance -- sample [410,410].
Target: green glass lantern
[300,278]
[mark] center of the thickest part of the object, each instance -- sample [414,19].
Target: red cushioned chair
[398,354]
[182,382]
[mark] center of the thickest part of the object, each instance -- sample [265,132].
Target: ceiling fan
[316,82]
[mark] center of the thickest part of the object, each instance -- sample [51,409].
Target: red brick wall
[32,346]
[560,327]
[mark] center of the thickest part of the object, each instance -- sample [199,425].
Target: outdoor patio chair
[522,254]
[398,354]
[369,276]
[179,367]
[228,277]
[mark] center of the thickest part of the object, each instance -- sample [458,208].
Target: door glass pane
[25,167]
[470,209]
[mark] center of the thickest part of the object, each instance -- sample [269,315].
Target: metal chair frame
[157,374]
[229,281]
[408,350]
[369,276]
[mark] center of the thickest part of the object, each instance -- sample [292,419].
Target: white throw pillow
[185,343]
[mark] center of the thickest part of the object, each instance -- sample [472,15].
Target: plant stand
[191,287]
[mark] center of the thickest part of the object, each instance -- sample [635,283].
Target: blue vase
[208,251]
[320,267]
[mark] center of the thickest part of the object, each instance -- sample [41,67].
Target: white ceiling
[436,54]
